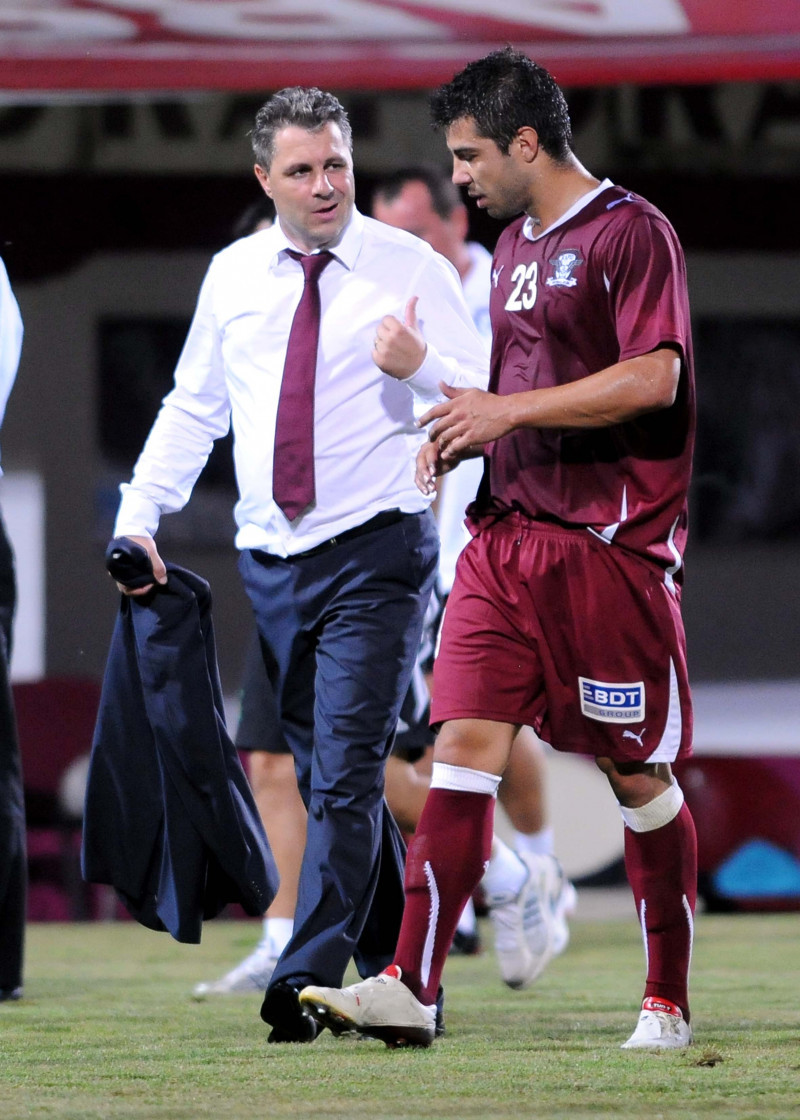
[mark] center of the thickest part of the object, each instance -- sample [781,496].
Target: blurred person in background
[13,858]
[424,201]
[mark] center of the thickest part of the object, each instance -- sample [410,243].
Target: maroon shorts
[556,629]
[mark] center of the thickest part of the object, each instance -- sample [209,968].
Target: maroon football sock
[445,862]
[662,871]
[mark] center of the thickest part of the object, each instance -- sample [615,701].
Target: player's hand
[466,421]
[429,467]
[399,348]
[159,568]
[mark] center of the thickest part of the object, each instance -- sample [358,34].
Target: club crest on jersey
[612,703]
[563,267]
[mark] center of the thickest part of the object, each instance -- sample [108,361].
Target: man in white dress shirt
[338,590]
[13,860]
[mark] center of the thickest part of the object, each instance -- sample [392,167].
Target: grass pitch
[107,1029]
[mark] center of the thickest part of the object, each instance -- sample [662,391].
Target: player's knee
[635,783]
[271,771]
[475,744]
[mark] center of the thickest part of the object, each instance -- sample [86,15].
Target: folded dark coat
[170,821]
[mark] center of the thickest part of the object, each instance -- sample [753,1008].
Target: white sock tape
[444,776]
[656,813]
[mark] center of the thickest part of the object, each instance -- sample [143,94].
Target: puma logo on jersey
[632,735]
[628,198]
[496,275]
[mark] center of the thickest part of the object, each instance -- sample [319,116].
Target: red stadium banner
[171,45]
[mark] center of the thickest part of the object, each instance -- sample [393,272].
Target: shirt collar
[346,252]
[528,226]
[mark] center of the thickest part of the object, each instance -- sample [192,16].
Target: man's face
[412,210]
[500,183]
[310,180]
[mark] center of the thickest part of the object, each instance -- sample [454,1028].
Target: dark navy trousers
[13,859]
[340,631]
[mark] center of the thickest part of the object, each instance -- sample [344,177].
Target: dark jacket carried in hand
[170,821]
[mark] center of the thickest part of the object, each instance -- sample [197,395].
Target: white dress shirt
[365,439]
[477,286]
[10,339]
[458,488]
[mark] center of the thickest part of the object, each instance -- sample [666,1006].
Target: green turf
[107,1029]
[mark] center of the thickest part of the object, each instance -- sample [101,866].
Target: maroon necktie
[293,456]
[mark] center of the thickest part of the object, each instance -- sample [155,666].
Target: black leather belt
[379,521]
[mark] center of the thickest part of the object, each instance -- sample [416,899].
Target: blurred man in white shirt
[424,201]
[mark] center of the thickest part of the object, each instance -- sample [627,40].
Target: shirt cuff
[138,515]
[425,382]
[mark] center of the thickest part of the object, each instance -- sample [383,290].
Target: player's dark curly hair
[503,92]
[309,108]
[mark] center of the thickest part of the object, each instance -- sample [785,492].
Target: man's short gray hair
[310,109]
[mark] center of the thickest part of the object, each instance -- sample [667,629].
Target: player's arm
[471,418]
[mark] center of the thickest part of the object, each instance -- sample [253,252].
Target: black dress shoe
[282,1010]
[10,993]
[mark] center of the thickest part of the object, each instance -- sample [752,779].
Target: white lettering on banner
[272,20]
[32,27]
[309,21]
[612,17]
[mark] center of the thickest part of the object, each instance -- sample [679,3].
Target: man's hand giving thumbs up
[399,348]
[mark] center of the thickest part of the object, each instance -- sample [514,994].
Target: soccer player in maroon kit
[565,613]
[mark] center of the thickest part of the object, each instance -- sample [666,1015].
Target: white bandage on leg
[656,813]
[444,776]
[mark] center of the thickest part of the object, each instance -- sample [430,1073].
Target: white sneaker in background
[253,974]
[525,924]
[381,1007]
[564,906]
[661,1026]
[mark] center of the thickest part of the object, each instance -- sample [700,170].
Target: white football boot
[661,1026]
[381,1007]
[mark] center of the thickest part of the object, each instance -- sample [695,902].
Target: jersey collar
[528,226]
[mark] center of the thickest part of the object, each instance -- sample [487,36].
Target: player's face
[499,182]
[310,180]
[412,210]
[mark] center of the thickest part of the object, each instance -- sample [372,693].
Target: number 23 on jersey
[523,291]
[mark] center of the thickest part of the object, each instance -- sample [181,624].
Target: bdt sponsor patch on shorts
[612,703]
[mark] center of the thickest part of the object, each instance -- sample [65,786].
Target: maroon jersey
[606,283]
